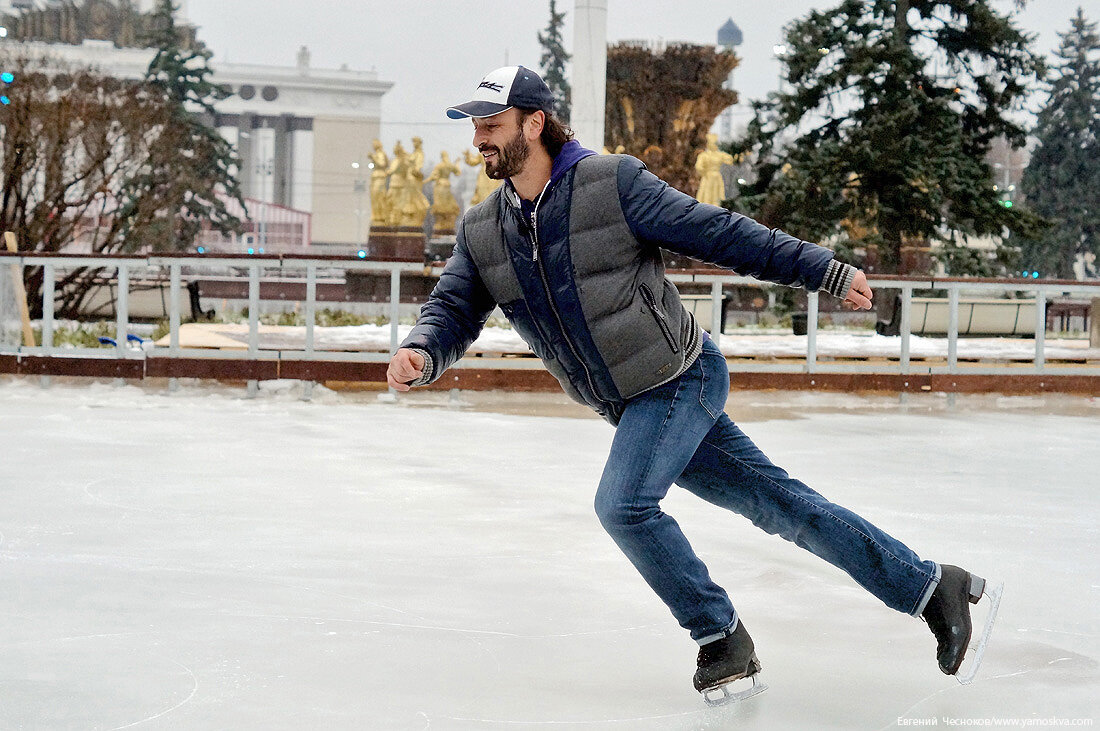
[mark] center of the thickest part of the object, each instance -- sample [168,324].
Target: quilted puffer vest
[633,314]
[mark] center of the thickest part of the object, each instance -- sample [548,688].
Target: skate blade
[977,649]
[720,695]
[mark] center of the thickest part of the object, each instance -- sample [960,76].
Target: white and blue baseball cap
[502,89]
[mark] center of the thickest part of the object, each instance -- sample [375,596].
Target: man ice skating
[568,248]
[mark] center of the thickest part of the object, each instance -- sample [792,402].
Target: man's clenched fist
[859,296]
[405,367]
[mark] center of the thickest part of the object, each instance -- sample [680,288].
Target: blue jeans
[679,433]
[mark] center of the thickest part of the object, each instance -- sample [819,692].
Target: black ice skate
[725,661]
[948,616]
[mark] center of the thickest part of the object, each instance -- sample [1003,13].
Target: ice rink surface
[200,560]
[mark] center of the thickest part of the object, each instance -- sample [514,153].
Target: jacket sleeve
[663,216]
[453,316]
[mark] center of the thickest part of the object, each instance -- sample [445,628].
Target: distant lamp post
[1007,188]
[781,51]
[360,188]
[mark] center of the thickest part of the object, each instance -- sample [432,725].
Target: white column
[589,72]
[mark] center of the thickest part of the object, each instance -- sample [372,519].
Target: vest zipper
[550,300]
[662,321]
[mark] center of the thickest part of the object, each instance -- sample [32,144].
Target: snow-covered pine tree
[878,141]
[192,166]
[554,59]
[1062,179]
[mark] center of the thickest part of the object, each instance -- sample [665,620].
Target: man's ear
[534,124]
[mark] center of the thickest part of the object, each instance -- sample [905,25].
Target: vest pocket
[659,316]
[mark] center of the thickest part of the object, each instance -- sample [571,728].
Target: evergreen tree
[1062,180]
[193,168]
[553,62]
[879,142]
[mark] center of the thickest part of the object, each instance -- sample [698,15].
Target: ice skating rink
[199,560]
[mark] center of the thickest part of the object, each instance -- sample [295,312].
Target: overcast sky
[435,51]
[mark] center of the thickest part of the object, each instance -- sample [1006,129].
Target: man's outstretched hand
[405,367]
[859,296]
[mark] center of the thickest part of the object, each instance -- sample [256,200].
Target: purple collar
[571,153]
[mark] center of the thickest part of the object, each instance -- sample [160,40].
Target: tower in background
[729,37]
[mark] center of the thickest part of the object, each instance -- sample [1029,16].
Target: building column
[589,72]
[244,150]
[284,157]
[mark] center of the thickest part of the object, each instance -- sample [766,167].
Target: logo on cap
[490,85]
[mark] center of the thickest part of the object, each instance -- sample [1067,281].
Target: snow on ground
[740,342]
[200,560]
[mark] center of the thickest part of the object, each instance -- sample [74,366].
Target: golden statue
[416,159]
[444,206]
[379,196]
[416,183]
[709,164]
[485,184]
[408,206]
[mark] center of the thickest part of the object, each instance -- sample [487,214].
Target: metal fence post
[395,303]
[953,328]
[906,327]
[1040,328]
[49,287]
[811,332]
[253,322]
[49,276]
[122,309]
[311,306]
[311,322]
[173,318]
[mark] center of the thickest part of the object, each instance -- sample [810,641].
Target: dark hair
[554,133]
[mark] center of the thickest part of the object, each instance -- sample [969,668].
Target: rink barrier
[253,364]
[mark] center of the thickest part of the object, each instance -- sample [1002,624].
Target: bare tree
[70,139]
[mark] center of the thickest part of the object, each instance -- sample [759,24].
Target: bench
[977,316]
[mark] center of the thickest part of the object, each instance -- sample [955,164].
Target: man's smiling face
[501,141]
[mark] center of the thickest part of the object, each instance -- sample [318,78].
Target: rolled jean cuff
[720,634]
[933,582]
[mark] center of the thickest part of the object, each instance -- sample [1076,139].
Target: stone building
[303,134]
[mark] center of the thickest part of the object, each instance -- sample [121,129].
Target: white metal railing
[125,266]
[1043,290]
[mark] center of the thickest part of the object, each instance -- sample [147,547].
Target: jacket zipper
[662,321]
[550,299]
[535,223]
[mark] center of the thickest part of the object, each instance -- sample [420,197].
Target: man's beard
[510,159]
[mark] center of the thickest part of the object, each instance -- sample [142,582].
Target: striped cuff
[838,279]
[429,368]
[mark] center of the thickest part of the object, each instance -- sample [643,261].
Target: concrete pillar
[589,72]
[244,151]
[284,157]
